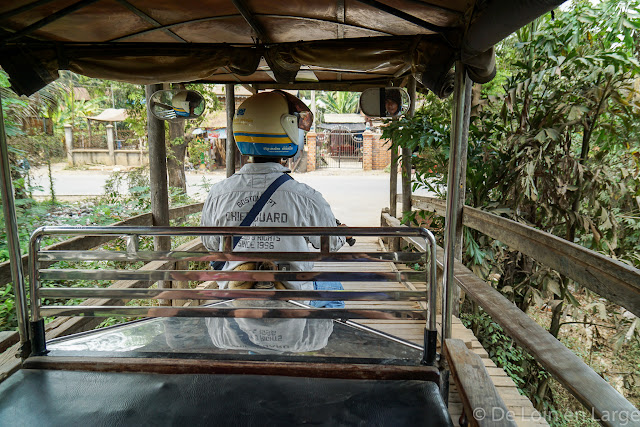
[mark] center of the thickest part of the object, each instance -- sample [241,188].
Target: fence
[339,148]
[368,153]
[100,149]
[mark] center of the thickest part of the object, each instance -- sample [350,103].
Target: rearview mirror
[175,105]
[384,102]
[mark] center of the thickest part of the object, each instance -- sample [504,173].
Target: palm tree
[340,102]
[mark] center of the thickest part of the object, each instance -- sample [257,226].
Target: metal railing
[38,293]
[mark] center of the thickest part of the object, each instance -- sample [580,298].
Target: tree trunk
[176,150]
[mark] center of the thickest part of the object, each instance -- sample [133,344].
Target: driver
[267,127]
[392,102]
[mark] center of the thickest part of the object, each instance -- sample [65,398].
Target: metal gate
[339,148]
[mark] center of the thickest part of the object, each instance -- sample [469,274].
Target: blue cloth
[327,286]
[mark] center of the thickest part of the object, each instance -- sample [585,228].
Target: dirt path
[356,196]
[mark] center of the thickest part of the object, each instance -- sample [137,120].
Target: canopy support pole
[15,256]
[158,178]
[455,189]
[406,152]
[231,143]
[393,183]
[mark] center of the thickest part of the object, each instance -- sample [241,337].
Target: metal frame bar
[252,294]
[227,233]
[49,19]
[248,275]
[150,20]
[452,222]
[405,16]
[248,16]
[240,312]
[25,8]
[9,210]
[101,255]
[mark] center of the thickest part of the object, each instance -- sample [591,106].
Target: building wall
[381,153]
[102,157]
[375,151]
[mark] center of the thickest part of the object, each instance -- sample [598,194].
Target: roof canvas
[340,45]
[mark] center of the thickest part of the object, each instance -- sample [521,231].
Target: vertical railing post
[68,141]
[406,152]
[38,339]
[431,328]
[158,178]
[455,185]
[13,242]
[393,182]
[111,144]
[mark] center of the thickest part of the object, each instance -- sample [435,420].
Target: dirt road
[356,196]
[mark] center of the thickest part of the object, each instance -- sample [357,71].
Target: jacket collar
[262,168]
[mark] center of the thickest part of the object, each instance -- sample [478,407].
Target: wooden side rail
[582,381]
[609,278]
[483,406]
[90,242]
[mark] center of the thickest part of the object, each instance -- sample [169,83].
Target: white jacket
[293,204]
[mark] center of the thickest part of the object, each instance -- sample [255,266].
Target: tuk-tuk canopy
[320,44]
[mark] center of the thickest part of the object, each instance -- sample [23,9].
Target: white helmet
[267,124]
[184,103]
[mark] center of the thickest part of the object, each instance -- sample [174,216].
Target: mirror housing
[176,104]
[384,102]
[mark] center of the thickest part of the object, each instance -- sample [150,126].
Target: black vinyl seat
[33,397]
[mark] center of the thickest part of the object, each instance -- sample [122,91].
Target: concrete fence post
[110,144]
[68,140]
[311,151]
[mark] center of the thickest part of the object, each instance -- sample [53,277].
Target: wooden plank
[89,242]
[479,396]
[7,339]
[614,280]
[186,366]
[9,361]
[584,383]
[578,378]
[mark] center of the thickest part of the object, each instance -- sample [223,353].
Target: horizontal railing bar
[239,312]
[577,377]
[236,256]
[231,294]
[217,275]
[232,231]
[609,278]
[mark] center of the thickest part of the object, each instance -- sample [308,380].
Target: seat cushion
[33,397]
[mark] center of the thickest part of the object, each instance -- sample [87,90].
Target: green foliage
[336,103]
[503,350]
[8,319]
[551,146]
[198,150]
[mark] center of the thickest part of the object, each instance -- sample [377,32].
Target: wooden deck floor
[412,330]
